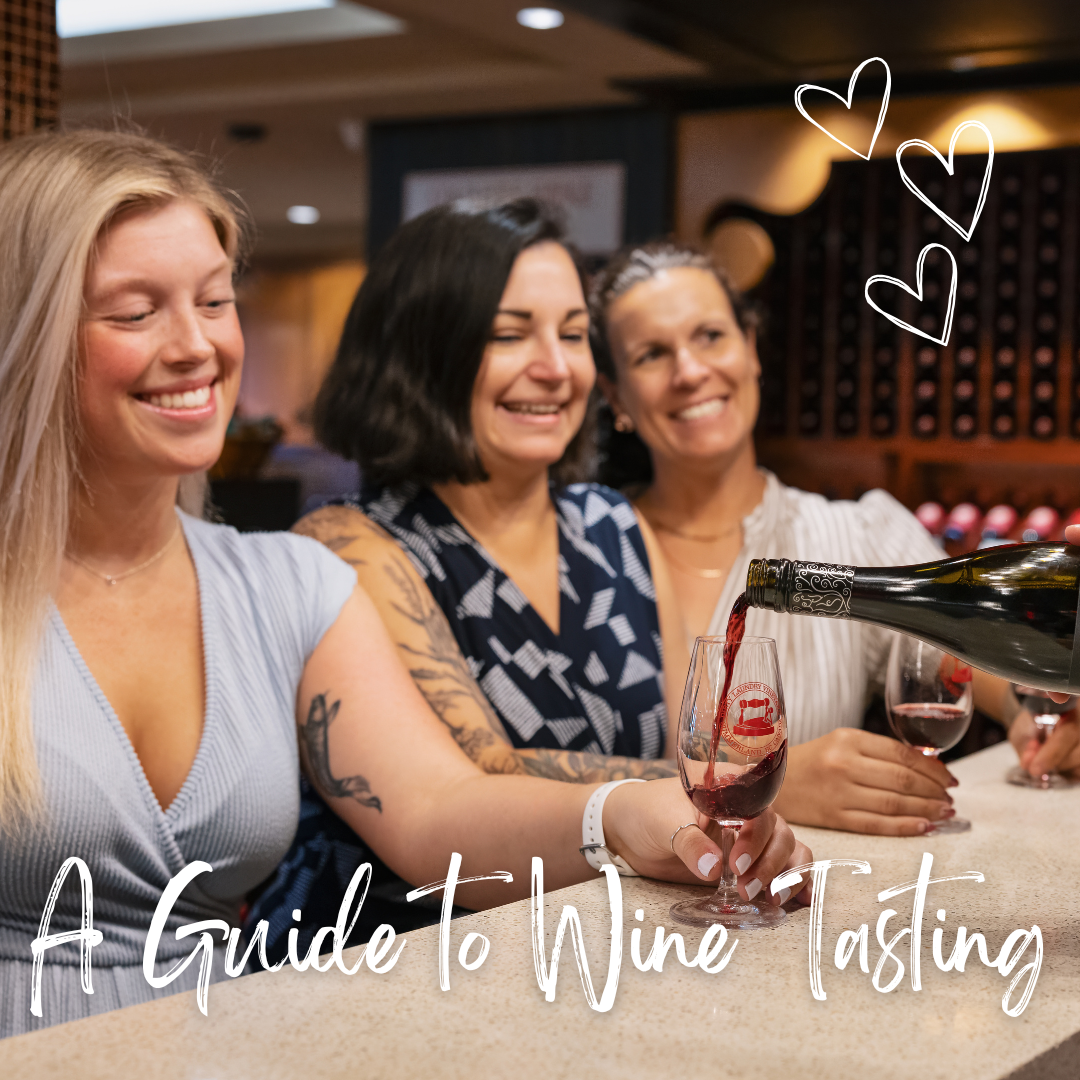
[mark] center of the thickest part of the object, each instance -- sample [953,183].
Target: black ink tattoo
[443,676]
[578,767]
[316,731]
[441,661]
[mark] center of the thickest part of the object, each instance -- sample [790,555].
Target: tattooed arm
[392,771]
[430,651]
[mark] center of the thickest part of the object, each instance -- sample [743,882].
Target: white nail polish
[753,889]
[784,895]
[742,863]
[706,863]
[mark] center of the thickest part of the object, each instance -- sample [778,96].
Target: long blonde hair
[57,192]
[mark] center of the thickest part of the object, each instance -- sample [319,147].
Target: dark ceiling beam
[695,95]
[675,30]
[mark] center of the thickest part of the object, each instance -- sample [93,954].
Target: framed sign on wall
[590,195]
[610,170]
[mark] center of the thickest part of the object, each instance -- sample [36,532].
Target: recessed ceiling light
[540,18]
[78,18]
[302,215]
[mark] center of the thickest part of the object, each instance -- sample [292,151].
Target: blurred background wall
[323,115]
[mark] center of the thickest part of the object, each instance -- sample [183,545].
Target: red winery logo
[753,724]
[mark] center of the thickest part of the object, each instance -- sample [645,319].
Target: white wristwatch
[592,831]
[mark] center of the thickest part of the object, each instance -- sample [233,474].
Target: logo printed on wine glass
[753,724]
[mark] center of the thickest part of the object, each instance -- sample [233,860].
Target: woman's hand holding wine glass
[929,700]
[636,820]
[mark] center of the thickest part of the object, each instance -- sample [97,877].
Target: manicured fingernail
[947,812]
[953,782]
[706,863]
[742,863]
[753,889]
[783,896]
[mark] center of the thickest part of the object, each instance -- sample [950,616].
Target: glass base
[949,825]
[1050,781]
[735,913]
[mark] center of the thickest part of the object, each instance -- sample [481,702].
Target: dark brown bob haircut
[398,396]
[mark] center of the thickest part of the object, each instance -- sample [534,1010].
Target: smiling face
[687,375]
[534,381]
[161,346]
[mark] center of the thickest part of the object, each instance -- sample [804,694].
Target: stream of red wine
[742,795]
[736,628]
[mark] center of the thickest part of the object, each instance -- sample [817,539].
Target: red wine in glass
[929,702]
[931,727]
[732,757]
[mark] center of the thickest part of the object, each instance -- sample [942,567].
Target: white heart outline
[950,166]
[800,90]
[944,339]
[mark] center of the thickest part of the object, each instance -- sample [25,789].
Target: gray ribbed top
[266,601]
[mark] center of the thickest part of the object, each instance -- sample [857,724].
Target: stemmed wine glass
[732,758]
[1046,713]
[929,700]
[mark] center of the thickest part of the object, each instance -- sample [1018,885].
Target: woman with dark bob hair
[521,601]
[463,387]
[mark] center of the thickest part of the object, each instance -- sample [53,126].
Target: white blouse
[830,667]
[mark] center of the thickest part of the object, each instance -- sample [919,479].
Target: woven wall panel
[30,71]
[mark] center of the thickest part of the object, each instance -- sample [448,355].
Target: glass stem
[1044,727]
[727,887]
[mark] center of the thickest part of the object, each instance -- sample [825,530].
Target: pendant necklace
[112,579]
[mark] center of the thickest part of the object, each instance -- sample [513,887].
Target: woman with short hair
[675,345]
[462,386]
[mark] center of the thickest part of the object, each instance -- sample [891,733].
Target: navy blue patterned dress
[595,686]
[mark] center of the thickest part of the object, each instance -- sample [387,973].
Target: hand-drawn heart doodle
[949,167]
[847,104]
[944,339]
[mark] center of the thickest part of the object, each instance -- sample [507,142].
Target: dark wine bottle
[1009,610]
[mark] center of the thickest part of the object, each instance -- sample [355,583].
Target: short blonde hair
[57,192]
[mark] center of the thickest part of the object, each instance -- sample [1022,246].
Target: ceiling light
[302,215]
[79,18]
[963,63]
[540,18]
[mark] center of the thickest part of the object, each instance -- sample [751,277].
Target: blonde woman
[163,677]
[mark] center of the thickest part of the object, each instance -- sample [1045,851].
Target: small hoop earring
[624,424]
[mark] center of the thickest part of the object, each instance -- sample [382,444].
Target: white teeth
[531,408]
[189,399]
[712,407]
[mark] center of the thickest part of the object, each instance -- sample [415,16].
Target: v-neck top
[266,599]
[597,685]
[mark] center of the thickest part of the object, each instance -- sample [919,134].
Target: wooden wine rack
[850,401]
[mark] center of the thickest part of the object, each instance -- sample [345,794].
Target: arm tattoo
[315,732]
[440,660]
[442,675]
[584,768]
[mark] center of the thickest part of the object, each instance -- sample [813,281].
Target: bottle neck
[802,588]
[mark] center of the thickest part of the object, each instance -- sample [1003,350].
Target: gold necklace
[660,527]
[708,574]
[112,579]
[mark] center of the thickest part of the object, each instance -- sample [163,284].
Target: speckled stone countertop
[756,1018]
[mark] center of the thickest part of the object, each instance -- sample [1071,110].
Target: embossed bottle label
[821,589]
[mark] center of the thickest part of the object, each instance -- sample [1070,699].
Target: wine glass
[732,758]
[929,700]
[1045,712]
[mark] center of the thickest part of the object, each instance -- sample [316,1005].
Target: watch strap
[592,830]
